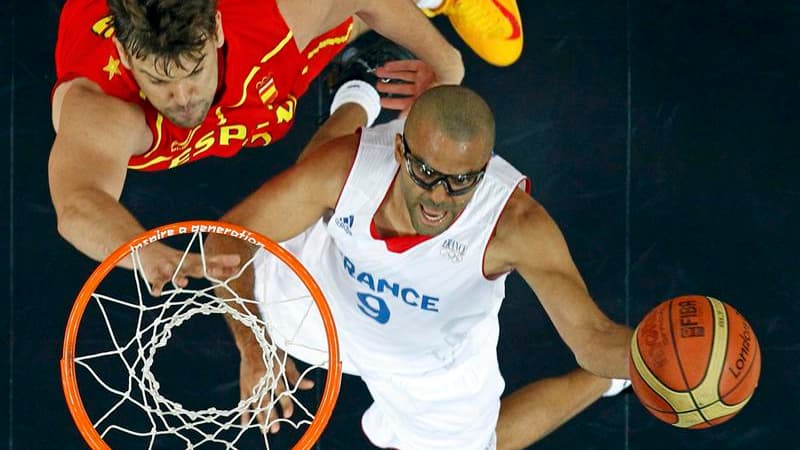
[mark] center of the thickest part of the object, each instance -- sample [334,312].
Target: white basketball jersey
[407,311]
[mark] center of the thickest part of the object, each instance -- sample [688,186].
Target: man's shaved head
[449,134]
[456,111]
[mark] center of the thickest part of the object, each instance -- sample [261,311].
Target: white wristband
[361,93]
[617,385]
[429,4]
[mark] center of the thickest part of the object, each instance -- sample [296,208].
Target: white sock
[429,4]
[617,385]
[361,93]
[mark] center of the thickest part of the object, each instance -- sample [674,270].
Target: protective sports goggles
[427,178]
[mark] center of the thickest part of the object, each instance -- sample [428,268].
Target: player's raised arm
[529,241]
[281,208]
[293,200]
[399,20]
[96,134]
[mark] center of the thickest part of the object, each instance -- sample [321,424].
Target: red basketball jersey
[262,75]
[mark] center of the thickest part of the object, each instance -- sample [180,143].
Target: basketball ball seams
[750,367]
[689,362]
[742,374]
[677,400]
[681,368]
[706,393]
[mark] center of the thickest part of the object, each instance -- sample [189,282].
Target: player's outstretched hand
[415,77]
[162,264]
[251,371]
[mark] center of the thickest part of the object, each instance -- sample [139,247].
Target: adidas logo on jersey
[453,250]
[345,223]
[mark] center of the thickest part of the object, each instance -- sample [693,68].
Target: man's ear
[219,34]
[123,53]
[398,148]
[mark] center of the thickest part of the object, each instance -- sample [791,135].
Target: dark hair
[169,29]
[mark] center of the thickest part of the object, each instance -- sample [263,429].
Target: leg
[537,409]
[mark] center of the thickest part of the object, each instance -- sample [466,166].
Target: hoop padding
[153,401]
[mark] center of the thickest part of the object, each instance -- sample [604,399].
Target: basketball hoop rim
[68,372]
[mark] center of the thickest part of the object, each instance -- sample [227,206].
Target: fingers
[245,418]
[244,395]
[223,266]
[414,72]
[397,103]
[408,77]
[162,264]
[227,260]
[159,276]
[218,266]
[305,385]
[247,383]
[396,88]
[273,419]
[399,66]
[417,77]
[259,407]
[293,375]
[275,400]
[284,397]
[287,405]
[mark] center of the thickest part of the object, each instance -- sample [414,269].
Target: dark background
[661,135]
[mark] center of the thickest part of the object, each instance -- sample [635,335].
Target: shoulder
[83,12]
[85,49]
[524,227]
[82,110]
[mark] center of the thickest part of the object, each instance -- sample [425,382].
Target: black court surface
[662,136]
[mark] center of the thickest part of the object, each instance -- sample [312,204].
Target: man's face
[433,211]
[186,94]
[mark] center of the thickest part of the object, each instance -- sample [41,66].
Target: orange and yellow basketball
[694,361]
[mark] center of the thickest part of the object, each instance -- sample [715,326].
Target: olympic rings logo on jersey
[374,305]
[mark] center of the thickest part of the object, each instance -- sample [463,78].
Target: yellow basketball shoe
[492,28]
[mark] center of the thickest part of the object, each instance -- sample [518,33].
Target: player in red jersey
[153,85]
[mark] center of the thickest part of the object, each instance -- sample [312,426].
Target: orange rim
[69,380]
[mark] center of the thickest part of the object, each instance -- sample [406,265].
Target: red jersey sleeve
[84,49]
[262,75]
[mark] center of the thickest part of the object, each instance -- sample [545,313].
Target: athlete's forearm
[243,287]
[243,335]
[599,344]
[96,223]
[403,23]
[607,354]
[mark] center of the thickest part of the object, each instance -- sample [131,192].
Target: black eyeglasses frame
[440,178]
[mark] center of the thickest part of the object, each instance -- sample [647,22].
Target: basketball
[694,362]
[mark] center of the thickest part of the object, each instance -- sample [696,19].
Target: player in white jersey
[410,229]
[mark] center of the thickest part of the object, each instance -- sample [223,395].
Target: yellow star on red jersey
[112,67]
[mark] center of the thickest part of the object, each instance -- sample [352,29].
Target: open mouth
[432,216]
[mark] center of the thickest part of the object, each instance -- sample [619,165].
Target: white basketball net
[155,320]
